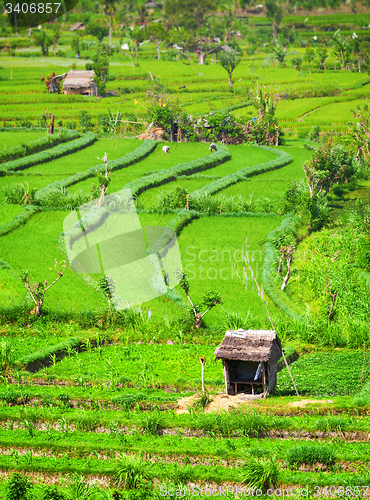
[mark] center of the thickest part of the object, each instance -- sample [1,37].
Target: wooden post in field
[203,362]
[263,379]
[51,124]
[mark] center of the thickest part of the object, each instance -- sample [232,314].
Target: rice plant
[63,198]
[152,422]
[78,488]
[181,475]
[6,357]
[259,473]
[310,454]
[129,472]
[202,400]
[327,424]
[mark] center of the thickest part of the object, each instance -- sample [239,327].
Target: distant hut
[249,359]
[80,82]
[77,27]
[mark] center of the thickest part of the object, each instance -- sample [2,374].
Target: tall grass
[250,423]
[310,454]
[259,473]
[129,472]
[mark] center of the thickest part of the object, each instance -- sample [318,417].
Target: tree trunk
[280,262]
[287,276]
[158,51]
[37,309]
[202,57]
[230,82]
[198,320]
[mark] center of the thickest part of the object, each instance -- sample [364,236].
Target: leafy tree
[107,286]
[55,37]
[322,54]
[274,12]
[191,14]
[101,66]
[210,300]
[157,34]
[85,120]
[98,30]
[109,7]
[342,50]
[328,166]
[360,132]
[309,57]
[229,61]
[280,53]
[137,36]
[76,45]
[297,63]
[43,41]
[264,129]
[18,487]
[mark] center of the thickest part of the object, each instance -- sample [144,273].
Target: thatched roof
[77,26]
[250,345]
[79,79]
[220,48]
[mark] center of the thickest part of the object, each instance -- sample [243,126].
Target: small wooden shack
[80,82]
[249,360]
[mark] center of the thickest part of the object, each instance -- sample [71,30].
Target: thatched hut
[80,82]
[249,360]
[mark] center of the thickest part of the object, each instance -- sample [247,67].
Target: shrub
[259,473]
[52,493]
[310,454]
[18,487]
[129,472]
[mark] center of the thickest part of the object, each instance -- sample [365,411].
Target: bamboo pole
[203,362]
[272,323]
